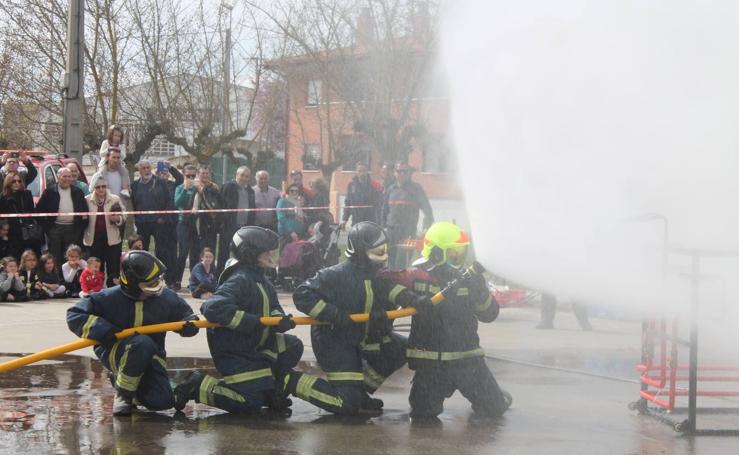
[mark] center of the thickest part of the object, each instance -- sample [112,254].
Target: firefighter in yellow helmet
[443,347]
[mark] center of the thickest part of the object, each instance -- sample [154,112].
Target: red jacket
[92,282]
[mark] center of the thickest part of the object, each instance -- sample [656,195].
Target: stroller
[301,259]
[326,238]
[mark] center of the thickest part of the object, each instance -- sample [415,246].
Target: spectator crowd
[66,255]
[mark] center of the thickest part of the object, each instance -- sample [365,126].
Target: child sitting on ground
[203,278]
[29,276]
[72,270]
[135,242]
[11,285]
[49,277]
[92,279]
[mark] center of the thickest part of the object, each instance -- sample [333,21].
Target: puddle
[64,406]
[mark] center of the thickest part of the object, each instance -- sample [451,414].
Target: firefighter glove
[189,329]
[110,337]
[286,323]
[422,303]
[342,319]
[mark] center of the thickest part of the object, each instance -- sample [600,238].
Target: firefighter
[138,363]
[247,354]
[356,358]
[443,347]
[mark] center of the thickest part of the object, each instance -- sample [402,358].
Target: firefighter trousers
[245,392]
[351,374]
[138,371]
[437,381]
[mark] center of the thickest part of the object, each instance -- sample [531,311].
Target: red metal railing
[659,369]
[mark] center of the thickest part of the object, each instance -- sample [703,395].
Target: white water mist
[584,128]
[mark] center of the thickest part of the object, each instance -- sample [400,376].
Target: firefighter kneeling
[443,347]
[138,363]
[246,353]
[356,358]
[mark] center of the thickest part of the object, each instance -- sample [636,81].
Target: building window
[354,149]
[161,147]
[311,157]
[315,92]
[437,154]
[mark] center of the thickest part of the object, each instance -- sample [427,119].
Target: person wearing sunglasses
[103,235]
[188,243]
[17,199]
[400,212]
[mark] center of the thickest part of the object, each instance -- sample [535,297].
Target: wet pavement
[571,390]
[64,406]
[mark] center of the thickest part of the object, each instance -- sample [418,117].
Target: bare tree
[37,34]
[186,85]
[371,58]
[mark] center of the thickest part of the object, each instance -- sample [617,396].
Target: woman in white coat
[103,234]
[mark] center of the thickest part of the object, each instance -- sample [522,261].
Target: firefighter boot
[277,400]
[286,384]
[122,405]
[371,405]
[186,391]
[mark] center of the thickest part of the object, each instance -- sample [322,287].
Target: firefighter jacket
[242,343]
[446,332]
[100,315]
[349,286]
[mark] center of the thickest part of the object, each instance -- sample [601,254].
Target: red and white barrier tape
[170,212]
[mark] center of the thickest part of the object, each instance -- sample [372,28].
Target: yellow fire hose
[173,326]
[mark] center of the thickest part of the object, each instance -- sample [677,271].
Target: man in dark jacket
[63,230]
[443,347]
[138,364]
[151,193]
[362,190]
[402,202]
[236,194]
[356,358]
[248,355]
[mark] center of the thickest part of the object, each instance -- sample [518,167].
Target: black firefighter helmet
[141,267]
[251,241]
[365,240]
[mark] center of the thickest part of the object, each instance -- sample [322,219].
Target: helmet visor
[378,255]
[455,256]
[153,287]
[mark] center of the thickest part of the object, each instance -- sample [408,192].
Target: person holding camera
[12,165]
[207,197]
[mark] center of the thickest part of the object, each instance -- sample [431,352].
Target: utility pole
[74,87]
[226,120]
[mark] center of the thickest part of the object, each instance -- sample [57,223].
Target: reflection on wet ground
[64,406]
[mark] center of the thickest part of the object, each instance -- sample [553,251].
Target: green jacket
[183,201]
